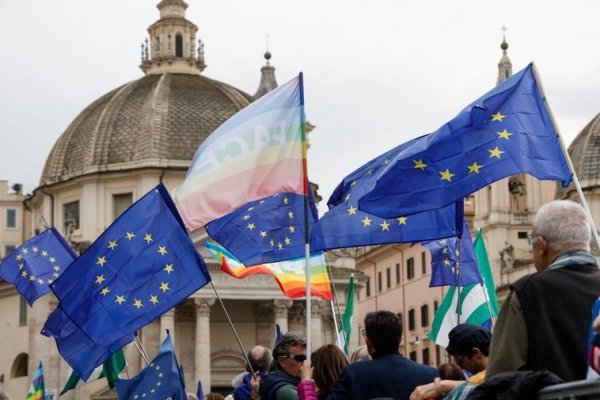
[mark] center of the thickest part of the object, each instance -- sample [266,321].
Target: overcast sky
[377,72]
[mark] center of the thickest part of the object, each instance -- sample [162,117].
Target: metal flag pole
[335,304]
[458,220]
[485,292]
[140,347]
[566,154]
[306,223]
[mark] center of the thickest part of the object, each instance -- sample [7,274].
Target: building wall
[11,219]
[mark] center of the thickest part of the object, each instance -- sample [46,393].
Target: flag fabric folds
[140,267]
[278,334]
[38,262]
[505,132]
[36,390]
[344,225]
[445,257]
[290,275]
[486,272]
[256,153]
[266,230]
[109,370]
[200,391]
[161,379]
[472,308]
[346,329]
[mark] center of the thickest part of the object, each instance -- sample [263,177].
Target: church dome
[585,155]
[156,121]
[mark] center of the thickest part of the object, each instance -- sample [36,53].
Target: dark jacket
[390,376]
[274,381]
[521,385]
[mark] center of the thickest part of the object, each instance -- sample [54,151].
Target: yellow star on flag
[100,279]
[352,210]
[445,250]
[25,251]
[148,238]
[164,286]
[44,253]
[21,266]
[138,304]
[24,274]
[446,262]
[101,261]
[263,234]
[446,175]
[347,198]
[504,135]
[288,241]
[153,299]
[105,291]
[498,117]
[19,257]
[419,164]
[366,222]
[291,214]
[162,250]
[112,244]
[292,229]
[120,299]
[272,243]
[495,152]
[384,226]
[280,246]
[246,217]
[56,268]
[401,220]
[285,200]
[474,167]
[35,249]
[130,235]
[251,226]
[32,278]
[52,260]
[168,268]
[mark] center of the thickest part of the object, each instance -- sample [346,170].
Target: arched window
[178,45]
[19,367]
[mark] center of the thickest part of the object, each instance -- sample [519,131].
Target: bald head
[260,358]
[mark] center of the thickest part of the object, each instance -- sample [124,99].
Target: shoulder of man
[287,392]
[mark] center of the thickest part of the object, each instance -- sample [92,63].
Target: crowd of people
[541,337]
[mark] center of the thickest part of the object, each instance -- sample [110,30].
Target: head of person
[260,359]
[470,346]
[290,353]
[360,354]
[327,363]
[451,372]
[383,331]
[560,226]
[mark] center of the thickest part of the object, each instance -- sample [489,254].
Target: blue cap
[463,337]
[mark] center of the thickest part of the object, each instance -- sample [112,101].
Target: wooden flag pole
[567,157]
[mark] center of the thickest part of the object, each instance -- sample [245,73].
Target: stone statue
[507,256]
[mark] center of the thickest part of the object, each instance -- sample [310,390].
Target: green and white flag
[109,370]
[346,328]
[477,305]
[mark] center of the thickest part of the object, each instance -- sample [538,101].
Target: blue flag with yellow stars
[140,267]
[506,132]
[344,225]
[265,231]
[445,254]
[161,379]
[38,262]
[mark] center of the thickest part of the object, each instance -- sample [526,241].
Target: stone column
[265,329]
[202,345]
[167,321]
[316,324]
[281,313]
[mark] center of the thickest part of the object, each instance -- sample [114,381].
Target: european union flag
[160,380]
[140,267]
[38,262]
[506,132]
[444,261]
[266,230]
[344,225]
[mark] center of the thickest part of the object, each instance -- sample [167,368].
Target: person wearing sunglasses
[544,322]
[282,382]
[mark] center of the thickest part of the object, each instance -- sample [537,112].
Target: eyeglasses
[297,357]
[531,236]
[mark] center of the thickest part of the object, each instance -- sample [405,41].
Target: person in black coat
[388,374]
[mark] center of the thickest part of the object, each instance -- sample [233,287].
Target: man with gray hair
[545,319]
[288,356]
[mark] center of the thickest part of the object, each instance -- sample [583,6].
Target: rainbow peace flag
[258,152]
[36,390]
[290,275]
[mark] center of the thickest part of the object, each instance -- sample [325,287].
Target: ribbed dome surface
[585,155]
[155,121]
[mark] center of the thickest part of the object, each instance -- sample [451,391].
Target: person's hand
[254,386]
[306,371]
[423,392]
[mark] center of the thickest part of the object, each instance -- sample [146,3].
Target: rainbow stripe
[36,390]
[290,275]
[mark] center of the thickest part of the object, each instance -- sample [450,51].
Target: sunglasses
[297,357]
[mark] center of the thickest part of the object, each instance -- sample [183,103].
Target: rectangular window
[397,273]
[121,202]
[388,277]
[379,282]
[11,218]
[411,319]
[410,268]
[22,311]
[71,216]
[368,287]
[413,356]
[423,263]
[425,360]
[425,315]
[8,248]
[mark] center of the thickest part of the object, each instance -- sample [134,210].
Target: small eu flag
[507,131]
[37,263]
[265,231]
[160,380]
[344,225]
[140,267]
[445,255]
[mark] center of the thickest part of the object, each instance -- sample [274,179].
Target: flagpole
[335,304]
[566,154]
[306,224]
[485,292]
[140,348]
[459,222]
